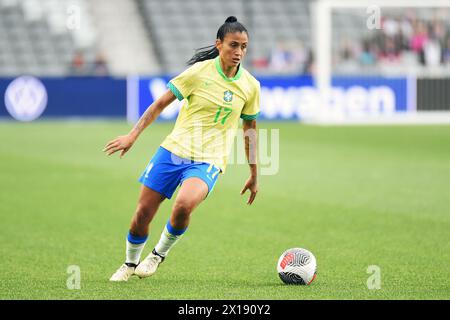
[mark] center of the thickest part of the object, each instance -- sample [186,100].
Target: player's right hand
[123,143]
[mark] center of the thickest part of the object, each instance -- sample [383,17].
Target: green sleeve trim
[249,116]
[175,91]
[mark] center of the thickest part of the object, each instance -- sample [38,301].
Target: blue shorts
[166,171]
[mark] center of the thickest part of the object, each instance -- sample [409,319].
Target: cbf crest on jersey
[228,96]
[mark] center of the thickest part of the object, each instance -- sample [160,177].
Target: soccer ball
[297,266]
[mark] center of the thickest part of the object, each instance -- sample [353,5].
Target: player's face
[233,48]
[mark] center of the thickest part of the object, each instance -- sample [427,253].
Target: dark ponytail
[231,25]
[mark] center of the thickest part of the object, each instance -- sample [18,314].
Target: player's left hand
[251,185]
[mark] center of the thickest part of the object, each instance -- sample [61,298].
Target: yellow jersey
[208,120]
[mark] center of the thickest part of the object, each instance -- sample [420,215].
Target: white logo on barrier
[306,102]
[25,98]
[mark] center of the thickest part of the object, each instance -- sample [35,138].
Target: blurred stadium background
[354,195]
[381,73]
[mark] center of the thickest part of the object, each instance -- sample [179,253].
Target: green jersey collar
[219,69]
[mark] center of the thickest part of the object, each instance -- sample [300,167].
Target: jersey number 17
[227,112]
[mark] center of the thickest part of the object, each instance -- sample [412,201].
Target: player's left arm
[251,142]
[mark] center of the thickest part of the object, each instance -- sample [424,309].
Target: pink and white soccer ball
[297,266]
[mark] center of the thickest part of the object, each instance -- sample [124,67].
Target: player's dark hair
[231,25]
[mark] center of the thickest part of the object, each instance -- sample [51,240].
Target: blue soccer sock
[169,237]
[135,245]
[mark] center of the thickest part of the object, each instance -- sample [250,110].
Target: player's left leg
[192,192]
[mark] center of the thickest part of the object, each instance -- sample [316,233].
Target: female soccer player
[217,91]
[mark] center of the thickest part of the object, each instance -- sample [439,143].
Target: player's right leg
[192,192]
[148,204]
[159,180]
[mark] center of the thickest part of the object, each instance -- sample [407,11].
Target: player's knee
[183,207]
[143,210]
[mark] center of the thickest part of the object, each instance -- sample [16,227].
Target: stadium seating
[122,37]
[34,37]
[398,26]
[180,26]
[159,37]
[43,37]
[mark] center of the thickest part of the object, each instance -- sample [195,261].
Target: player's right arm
[125,142]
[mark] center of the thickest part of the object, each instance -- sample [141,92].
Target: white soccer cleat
[123,273]
[149,265]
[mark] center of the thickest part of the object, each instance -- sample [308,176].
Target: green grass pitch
[354,196]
